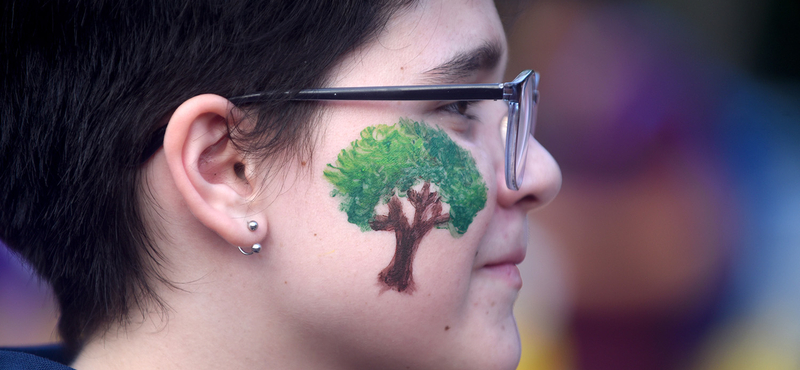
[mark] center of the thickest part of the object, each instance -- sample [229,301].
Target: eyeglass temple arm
[399,93]
[505,91]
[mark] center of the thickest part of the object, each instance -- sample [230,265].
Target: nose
[540,185]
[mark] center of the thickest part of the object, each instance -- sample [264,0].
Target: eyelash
[460,108]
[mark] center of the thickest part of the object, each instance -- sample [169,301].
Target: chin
[500,358]
[499,349]
[507,355]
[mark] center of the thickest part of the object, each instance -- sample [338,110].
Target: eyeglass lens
[521,124]
[525,126]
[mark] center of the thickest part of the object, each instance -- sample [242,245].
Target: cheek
[487,146]
[399,212]
[409,180]
[329,269]
[489,157]
[329,284]
[444,264]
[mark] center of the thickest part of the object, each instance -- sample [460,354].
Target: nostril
[528,201]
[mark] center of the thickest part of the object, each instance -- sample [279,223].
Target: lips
[513,257]
[505,267]
[506,272]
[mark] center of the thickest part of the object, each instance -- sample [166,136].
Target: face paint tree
[405,161]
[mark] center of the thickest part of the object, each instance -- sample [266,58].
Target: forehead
[426,36]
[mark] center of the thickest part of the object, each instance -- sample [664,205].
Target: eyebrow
[483,58]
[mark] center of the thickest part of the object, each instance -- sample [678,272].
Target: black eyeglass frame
[513,93]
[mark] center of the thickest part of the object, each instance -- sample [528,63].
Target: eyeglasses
[522,96]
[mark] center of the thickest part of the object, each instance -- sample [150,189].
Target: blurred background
[675,240]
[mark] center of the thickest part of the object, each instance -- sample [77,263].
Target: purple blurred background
[675,241]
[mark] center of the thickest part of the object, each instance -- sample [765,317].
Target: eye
[460,117]
[459,107]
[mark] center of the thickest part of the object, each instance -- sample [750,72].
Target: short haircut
[84,86]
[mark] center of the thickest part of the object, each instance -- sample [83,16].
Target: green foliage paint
[384,165]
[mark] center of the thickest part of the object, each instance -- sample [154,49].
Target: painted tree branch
[395,219]
[428,208]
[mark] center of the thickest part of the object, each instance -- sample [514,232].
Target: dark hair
[84,86]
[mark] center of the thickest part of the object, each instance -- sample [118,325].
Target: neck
[212,321]
[183,336]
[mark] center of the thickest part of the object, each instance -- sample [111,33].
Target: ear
[209,171]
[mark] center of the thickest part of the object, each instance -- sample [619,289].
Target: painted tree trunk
[398,275]
[427,214]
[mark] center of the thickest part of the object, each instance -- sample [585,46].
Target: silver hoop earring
[254,249]
[252,225]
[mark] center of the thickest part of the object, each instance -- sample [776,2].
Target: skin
[309,299]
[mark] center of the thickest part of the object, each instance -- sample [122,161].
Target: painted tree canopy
[386,164]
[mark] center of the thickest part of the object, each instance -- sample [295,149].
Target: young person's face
[323,273]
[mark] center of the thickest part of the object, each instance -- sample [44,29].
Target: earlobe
[208,170]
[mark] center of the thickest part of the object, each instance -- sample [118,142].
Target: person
[174,171]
